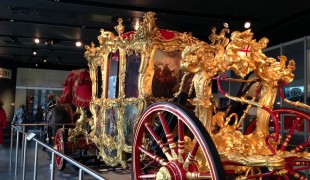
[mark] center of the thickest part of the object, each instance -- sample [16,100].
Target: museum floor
[44,160]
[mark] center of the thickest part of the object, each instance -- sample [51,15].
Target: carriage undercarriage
[135,77]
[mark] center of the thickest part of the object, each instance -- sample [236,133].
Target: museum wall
[33,87]
[7,87]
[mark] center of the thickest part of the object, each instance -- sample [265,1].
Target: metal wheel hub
[172,171]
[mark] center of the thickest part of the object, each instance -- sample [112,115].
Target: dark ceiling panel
[66,21]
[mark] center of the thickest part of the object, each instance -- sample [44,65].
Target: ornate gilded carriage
[150,66]
[129,71]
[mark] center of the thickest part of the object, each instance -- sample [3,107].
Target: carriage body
[133,70]
[130,71]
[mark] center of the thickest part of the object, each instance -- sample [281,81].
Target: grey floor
[44,161]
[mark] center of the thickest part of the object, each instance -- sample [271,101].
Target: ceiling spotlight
[225,24]
[49,42]
[34,52]
[37,41]
[247,25]
[44,59]
[78,43]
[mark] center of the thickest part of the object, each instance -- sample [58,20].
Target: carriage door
[113,71]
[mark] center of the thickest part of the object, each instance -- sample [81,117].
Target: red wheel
[61,146]
[294,143]
[188,152]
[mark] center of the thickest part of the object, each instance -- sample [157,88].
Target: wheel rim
[173,161]
[293,164]
[60,146]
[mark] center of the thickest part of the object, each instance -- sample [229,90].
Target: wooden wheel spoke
[158,159]
[299,163]
[160,143]
[301,147]
[169,137]
[181,143]
[198,175]
[297,175]
[148,164]
[147,176]
[290,134]
[191,156]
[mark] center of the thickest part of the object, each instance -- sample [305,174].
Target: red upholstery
[83,95]
[66,96]
[128,35]
[77,88]
[166,34]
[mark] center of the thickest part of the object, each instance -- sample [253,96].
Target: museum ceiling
[59,24]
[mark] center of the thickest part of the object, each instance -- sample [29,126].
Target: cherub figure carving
[90,50]
[120,28]
[105,35]
[219,39]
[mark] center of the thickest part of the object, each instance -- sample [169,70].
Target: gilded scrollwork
[241,54]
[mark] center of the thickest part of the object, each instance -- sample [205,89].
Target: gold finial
[120,28]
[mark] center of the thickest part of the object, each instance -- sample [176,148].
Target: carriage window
[98,121]
[113,75]
[99,82]
[111,121]
[167,75]
[130,115]
[132,74]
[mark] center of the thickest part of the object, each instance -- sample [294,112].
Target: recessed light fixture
[34,51]
[44,59]
[247,25]
[49,42]
[78,43]
[225,24]
[37,41]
